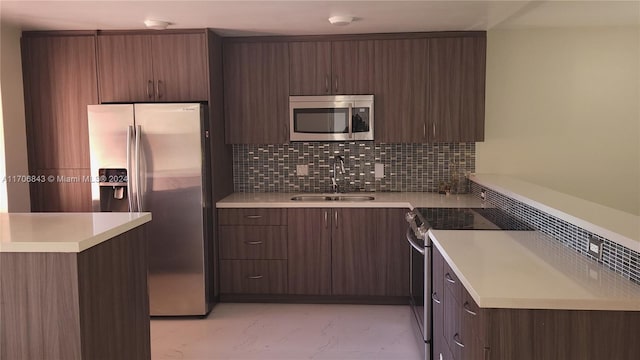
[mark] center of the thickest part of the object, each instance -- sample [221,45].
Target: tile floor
[289,331]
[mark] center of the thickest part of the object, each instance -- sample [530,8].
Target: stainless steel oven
[331,118]
[420,279]
[420,221]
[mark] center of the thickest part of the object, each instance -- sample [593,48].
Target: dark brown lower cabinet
[314,254]
[88,305]
[474,333]
[309,251]
[369,255]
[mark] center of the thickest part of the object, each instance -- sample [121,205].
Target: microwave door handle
[350,120]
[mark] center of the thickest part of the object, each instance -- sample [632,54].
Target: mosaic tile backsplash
[408,167]
[618,258]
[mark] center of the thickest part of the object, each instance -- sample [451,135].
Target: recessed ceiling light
[156,24]
[341,20]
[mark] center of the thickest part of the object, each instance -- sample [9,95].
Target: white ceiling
[238,18]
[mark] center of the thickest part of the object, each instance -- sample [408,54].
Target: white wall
[562,111]
[14,197]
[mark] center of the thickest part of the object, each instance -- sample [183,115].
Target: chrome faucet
[334,183]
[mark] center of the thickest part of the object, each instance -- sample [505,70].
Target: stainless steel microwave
[331,118]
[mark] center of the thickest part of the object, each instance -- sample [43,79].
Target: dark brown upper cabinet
[152,68]
[427,87]
[310,68]
[59,82]
[456,89]
[331,67]
[401,76]
[256,88]
[430,89]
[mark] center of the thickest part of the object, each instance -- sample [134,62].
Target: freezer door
[108,141]
[170,138]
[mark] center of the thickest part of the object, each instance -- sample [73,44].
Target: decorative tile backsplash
[618,258]
[407,167]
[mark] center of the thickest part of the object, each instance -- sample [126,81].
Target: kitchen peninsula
[74,286]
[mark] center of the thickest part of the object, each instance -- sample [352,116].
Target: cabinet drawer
[252,217]
[473,319]
[452,282]
[452,335]
[253,242]
[253,276]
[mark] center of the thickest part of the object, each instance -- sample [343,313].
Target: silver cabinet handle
[130,178]
[326,83]
[434,298]
[424,130]
[253,216]
[336,217]
[449,278]
[255,277]
[336,88]
[253,242]
[158,84]
[150,89]
[456,339]
[434,130]
[326,219]
[468,309]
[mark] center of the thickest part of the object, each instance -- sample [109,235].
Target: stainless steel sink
[333,198]
[312,198]
[353,198]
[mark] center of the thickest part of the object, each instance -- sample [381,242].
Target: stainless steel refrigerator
[152,157]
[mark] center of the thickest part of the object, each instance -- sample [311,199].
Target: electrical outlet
[595,247]
[379,171]
[302,170]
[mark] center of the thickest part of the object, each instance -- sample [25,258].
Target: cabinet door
[68,192]
[256,88]
[473,88]
[60,81]
[394,258]
[125,68]
[180,67]
[400,90]
[352,67]
[310,68]
[437,300]
[444,89]
[309,251]
[355,251]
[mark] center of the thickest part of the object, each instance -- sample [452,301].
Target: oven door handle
[412,242]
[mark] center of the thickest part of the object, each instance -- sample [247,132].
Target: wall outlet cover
[302,170]
[595,247]
[379,171]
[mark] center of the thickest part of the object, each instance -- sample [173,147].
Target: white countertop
[618,226]
[382,200]
[63,232]
[529,270]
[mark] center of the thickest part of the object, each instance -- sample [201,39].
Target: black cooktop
[470,219]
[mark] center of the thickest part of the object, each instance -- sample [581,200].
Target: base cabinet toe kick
[464,331]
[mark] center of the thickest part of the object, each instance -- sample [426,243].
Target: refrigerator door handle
[138,172]
[130,190]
